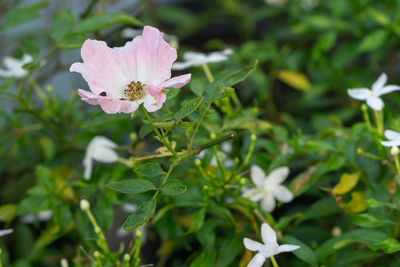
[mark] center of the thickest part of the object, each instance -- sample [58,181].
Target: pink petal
[154,57]
[178,81]
[108,104]
[100,69]
[156,99]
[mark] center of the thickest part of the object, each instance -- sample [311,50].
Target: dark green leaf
[188,108]
[173,187]
[102,21]
[63,23]
[150,170]
[228,251]
[305,253]
[72,41]
[197,221]
[205,259]
[30,47]
[367,220]
[141,215]
[133,186]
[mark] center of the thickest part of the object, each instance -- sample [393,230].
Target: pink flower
[122,78]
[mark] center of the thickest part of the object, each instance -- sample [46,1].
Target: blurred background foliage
[309,52]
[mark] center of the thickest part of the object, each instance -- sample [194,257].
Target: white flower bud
[394,151]
[64,263]
[85,205]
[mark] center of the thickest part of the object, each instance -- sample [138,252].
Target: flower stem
[101,239]
[379,122]
[274,263]
[397,164]
[367,120]
[251,149]
[160,137]
[208,73]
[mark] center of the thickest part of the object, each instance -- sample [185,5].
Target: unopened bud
[364,107]
[85,205]
[205,188]
[133,136]
[97,230]
[138,233]
[359,151]
[213,136]
[97,254]
[253,137]
[394,151]
[336,231]
[236,160]
[64,263]
[242,181]
[197,162]
[127,257]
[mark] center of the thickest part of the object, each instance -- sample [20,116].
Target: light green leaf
[373,41]
[197,221]
[30,47]
[150,170]
[367,220]
[134,186]
[141,215]
[20,15]
[173,187]
[102,21]
[188,108]
[7,212]
[72,41]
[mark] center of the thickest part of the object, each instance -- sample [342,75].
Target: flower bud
[127,257]
[85,205]
[197,162]
[97,254]
[253,137]
[213,136]
[359,150]
[133,136]
[364,107]
[336,231]
[394,151]
[242,181]
[64,263]
[138,233]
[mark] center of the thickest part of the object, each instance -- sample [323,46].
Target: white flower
[100,149]
[14,67]
[268,249]
[373,96]
[198,59]
[41,216]
[6,232]
[393,138]
[268,187]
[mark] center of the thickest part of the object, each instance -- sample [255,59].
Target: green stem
[367,120]
[208,73]
[397,164]
[379,123]
[196,128]
[160,137]
[274,263]
[102,240]
[251,149]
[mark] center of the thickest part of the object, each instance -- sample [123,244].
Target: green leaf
[227,79]
[173,187]
[30,47]
[63,217]
[63,23]
[204,259]
[7,212]
[17,16]
[373,41]
[141,215]
[305,253]
[102,21]
[150,170]
[188,108]
[228,251]
[197,221]
[323,207]
[134,186]
[206,235]
[389,246]
[47,146]
[72,41]
[367,220]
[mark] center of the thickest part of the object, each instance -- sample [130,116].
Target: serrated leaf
[102,21]
[347,182]
[133,186]
[141,215]
[150,170]
[188,108]
[173,187]
[297,80]
[20,15]
[63,23]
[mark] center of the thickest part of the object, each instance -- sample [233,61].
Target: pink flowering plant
[199,133]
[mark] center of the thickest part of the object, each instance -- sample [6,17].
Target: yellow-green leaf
[347,182]
[356,204]
[297,80]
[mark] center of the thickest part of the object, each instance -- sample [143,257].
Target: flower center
[135,91]
[271,249]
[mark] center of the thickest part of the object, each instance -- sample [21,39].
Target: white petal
[375,103]
[388,89]
[257,175]
[287,248]
[216,57]
[395,142]
[252,194]
[268,203]
[282,193]
[268,234]
[257,260]
[379,83]
[6,232]
[277,176]
[88,164]
[359,93]
[391,135]
[181,65]
[252,245]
